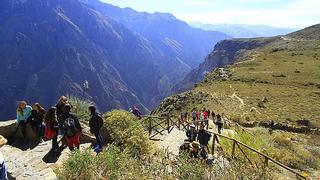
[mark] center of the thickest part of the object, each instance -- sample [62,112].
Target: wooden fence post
[233,148]
[213,144]
[150,126]
[168,124]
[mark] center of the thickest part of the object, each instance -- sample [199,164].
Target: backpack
[70,127]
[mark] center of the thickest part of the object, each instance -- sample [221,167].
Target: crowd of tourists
[58,120]
[201,117]
[198,136]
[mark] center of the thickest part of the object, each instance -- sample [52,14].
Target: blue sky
[279,13]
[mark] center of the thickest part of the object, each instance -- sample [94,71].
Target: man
[3,170]
[185,147]
[95,124]
[191,133]
[195,150]
[71,127]
[204,137]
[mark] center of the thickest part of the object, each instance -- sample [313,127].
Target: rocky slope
[49,48]
[225,52]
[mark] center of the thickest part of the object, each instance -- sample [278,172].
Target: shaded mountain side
[225,52]
[175,39]
[48,49]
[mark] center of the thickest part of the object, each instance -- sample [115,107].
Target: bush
[127,132]
[80,107]
[114,164]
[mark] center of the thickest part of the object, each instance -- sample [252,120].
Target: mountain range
[50,47]
[244,30]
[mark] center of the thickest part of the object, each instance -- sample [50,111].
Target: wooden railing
[236,143]
[161,124]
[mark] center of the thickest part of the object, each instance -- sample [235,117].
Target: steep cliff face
[225,52]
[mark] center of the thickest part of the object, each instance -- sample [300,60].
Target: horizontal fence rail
[167,123]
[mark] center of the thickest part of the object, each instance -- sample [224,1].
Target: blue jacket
[26,114]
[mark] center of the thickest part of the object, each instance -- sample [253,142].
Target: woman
[23,113]
[36,119]
[51,130]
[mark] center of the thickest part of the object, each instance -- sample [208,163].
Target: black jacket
[203,137]
[95,123]
[36,118]
[192,135]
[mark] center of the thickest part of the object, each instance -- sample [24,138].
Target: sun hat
[195,144]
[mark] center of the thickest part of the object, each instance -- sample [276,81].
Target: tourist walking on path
[3,170]
[36,119]
[219,123]
[51,129]
[95,124]
[72,128]
[204,137]
[23,113]
[191,133]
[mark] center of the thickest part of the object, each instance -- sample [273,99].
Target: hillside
[49,48]
[277,81]
[283,70]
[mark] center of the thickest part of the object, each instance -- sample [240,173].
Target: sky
[277,13]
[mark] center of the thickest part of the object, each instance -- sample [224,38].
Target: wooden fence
[160,124]
[236,143]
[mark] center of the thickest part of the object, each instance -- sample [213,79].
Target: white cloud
[299,13]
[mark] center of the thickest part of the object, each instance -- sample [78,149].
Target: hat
[186,141]
[3,141]
[195,144]
[192,126]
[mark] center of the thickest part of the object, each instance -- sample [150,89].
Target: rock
[8,128]
[303,122]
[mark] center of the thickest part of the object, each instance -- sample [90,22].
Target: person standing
[72,128]
[194,116]
[3,169]
[95,124]
[51,129]
[219,123]
[23,113]
[192,133]
[204,137]
[63,100]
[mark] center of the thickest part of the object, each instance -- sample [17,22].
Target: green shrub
[80,107]
[127,132]
[114,164]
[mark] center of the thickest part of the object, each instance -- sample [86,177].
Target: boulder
[8,128]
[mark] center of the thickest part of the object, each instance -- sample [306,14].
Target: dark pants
[55,146]
[38,128]
[22,125]
[99,139]
[3,171]
[219,127]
